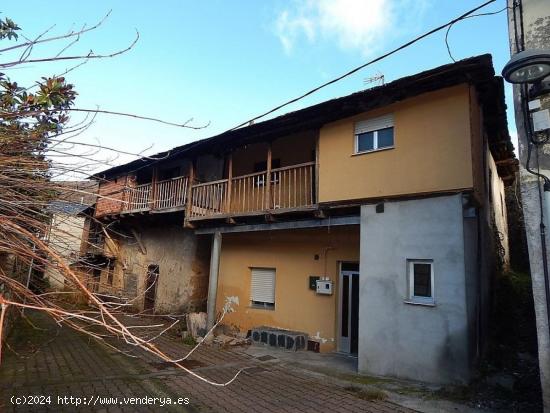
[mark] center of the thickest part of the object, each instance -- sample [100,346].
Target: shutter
[263,285]
[373,124]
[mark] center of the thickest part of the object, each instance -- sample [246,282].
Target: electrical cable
[330,82]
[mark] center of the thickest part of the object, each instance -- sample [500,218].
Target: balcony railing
[290,187]
[170,193]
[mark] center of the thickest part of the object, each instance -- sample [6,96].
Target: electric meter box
[324,287]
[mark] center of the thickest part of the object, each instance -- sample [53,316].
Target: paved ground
[58,362]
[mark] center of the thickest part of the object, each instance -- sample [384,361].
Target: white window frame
[414,299]
[262,304]
[373,125]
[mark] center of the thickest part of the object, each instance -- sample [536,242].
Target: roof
[66,207]
[476,70]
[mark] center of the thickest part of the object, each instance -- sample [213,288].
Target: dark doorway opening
[151,287]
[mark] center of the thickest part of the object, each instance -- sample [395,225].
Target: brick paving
[61,362]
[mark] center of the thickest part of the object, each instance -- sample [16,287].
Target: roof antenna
[378,78]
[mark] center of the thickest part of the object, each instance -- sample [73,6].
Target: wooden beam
[319,213]
[269,218]
[141,246]
[229,181]
[190,182]
[268,179]
[316,169]
[154,181]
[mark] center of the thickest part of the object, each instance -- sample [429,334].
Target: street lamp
[529,66]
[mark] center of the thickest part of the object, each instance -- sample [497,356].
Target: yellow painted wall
[292,254]
[432,150]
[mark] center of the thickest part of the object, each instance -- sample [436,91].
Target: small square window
[374,134]
[421,281]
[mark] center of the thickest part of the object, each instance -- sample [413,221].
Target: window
[262,287]
[421,281]
[374,134]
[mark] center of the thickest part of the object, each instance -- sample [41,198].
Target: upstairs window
[421,281]
[374,134]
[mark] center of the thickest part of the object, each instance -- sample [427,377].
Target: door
[348,313]
[151,287]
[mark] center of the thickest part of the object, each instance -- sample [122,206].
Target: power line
[330,82]
[397,49]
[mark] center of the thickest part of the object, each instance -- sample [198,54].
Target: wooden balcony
[170,194]
[290,188]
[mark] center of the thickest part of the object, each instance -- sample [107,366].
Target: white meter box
[324,287]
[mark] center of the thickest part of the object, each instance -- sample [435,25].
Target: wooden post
[268,179]
[229,181]
[315,188]
[190,181]
[154,180]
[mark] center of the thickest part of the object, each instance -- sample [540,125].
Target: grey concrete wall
[428,343]
[183,260]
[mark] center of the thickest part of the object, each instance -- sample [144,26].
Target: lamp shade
[528,66]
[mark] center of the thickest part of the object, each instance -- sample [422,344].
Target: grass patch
[189,340]
[367,394]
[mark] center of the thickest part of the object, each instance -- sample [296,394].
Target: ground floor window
[421,281]
[262,287]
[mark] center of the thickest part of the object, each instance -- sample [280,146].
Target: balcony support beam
[229,181]
[189,200]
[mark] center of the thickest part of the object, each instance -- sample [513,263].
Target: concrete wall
[296,255]
[536,23]
[428,343]
[432,150]
[65,237]
[183,260]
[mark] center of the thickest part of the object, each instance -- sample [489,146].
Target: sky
[224,62]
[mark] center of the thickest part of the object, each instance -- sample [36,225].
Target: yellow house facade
[360,225]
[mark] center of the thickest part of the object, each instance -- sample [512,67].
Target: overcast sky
[224,62]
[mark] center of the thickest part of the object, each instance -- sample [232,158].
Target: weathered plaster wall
[497,199]
[64,238]
[183,260]
[292,253]
[432,150]
[404,340]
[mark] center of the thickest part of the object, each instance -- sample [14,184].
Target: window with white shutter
[262,287]
[374,134]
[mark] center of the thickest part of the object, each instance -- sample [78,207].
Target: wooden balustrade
[138,198]
[208,199]
[171,193]
[289,188]
[293,186]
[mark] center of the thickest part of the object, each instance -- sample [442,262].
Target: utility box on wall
[324,287]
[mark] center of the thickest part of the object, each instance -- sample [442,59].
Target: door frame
[344,345]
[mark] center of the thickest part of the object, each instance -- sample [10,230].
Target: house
[368,224]
[67,217]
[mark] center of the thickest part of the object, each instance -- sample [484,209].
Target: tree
[34,129]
